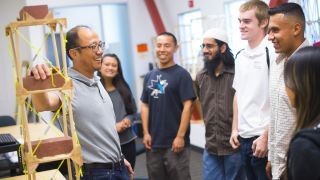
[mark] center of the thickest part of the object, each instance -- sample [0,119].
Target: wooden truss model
[53,149]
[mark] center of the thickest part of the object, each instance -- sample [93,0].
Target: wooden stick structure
[47,150]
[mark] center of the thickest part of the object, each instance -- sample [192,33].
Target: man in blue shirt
[165,112]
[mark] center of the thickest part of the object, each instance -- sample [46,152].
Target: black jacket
[304,155]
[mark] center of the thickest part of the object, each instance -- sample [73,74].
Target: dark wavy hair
[122,86]
[302,76]
[227,56]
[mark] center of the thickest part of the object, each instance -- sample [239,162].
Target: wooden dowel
[55,49]
[63,51]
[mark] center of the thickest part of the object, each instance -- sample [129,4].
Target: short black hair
[171,35]
[290,9]
[73,38]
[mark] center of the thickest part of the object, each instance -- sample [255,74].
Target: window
[311,9]
[232,14]
[190,33]
[110,21]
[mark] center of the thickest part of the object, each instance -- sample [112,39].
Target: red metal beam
[274,3]
[155,16]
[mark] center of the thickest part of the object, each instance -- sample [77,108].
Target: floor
[141,172]
[195,166]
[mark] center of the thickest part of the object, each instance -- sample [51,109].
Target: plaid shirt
[282,121]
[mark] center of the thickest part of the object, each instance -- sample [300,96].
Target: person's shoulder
[180,68]
[201,74]
[239,53]
[304,154]
[71,72]
[150,73]
[308,136]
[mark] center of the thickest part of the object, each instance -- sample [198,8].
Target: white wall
[169,11]
[141,31]
[209,8]
[9,11]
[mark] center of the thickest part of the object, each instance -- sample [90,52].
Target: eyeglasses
[209,46]
[93,47]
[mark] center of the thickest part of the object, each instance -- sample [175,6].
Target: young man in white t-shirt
[251,101]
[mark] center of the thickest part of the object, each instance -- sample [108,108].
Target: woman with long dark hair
[123,103]
[302,79]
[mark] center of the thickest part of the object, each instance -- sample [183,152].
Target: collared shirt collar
[257,51]
[80,77]
[283,57]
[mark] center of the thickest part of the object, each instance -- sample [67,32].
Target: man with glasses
[214,89]
[92,107]
[251,101]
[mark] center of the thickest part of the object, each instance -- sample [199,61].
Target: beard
[211,64]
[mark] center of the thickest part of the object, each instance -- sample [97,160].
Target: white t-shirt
[251,83]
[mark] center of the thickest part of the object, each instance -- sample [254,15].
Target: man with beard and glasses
[215,92]
[251,82]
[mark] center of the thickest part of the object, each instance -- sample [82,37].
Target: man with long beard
[215,92]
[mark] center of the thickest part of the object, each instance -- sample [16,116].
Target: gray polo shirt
[94,120]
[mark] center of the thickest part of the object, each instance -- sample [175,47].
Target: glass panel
[78,15]
[116,30]
[111,23]
[232,15]
[190,33]
[311,9]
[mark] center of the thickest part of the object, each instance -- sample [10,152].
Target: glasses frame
[93,47]
[209,46]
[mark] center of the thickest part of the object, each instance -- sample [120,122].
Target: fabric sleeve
[236,75]
[196,85]
[144,96]
[186,90]
[132,117]
[303,159]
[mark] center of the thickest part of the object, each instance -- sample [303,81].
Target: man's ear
[176,48]
[264,23]
[223,48]
[73,53]
[297,29]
